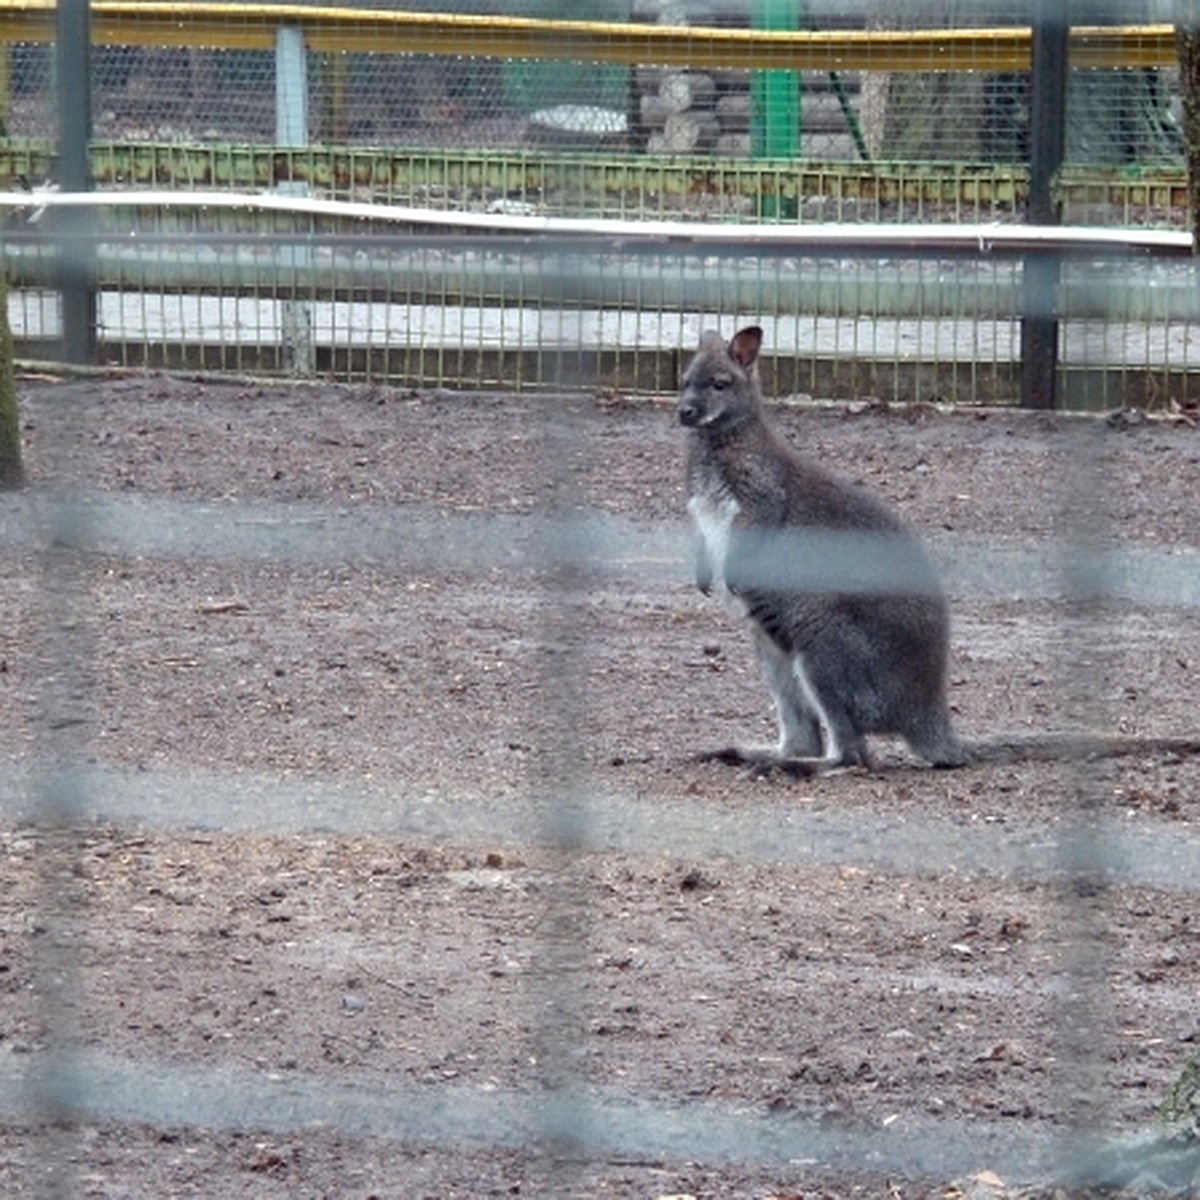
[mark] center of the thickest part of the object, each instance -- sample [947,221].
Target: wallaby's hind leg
[812,739]
[841,744]
[799,729]
[932,737]
[801,734]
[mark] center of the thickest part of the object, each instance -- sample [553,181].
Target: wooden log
[727,79]
[652,112]
[684,133]
[648,79]
[684,90]
[733,111]
[733,145]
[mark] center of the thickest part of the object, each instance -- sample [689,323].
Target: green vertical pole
[775,100]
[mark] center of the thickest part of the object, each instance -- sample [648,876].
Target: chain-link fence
[659,117]
[355,839]
[1125,114]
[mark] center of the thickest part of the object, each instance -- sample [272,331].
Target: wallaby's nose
[689,412]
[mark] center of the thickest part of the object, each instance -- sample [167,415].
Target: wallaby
[850,623]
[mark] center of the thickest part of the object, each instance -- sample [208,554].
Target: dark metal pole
[74,84]
[1043,271]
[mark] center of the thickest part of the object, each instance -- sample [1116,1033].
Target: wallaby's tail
[1075,747]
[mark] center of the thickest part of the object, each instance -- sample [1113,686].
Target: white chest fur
[714,517]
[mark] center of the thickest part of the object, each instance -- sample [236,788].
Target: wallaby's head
[720,388]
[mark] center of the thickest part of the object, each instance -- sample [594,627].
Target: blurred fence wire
[942,80]
[65,791]
[66,795]
[665,115]
[519,301]
[476,216]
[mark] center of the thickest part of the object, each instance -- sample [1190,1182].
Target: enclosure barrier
[597,186]
[63,1085]
[498,300]
[868,238]
[463,290]
[603,185]
[252,27]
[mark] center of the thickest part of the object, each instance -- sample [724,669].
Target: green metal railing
[211,256]
[628,186]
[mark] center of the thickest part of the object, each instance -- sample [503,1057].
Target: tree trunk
[923,115]
[1172,1157]
[11,472]
[1187,41]
[1180,1112]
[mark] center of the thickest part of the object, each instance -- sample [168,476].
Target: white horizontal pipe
[978,238]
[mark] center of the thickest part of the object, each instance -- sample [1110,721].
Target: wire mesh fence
[662,119]
[1124,113]
[336,289]
[353,839]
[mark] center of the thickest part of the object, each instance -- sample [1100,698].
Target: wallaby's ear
[744,347]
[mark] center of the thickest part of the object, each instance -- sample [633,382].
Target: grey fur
[842,660]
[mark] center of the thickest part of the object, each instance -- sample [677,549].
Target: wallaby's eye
[719,385]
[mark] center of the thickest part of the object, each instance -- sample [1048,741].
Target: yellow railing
[252,26]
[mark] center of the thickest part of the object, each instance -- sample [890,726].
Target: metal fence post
[291,129]
[74,97]
[1042,273]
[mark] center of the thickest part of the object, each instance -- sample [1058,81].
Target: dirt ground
[394,875]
